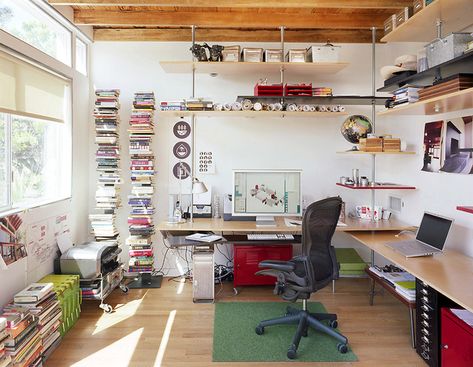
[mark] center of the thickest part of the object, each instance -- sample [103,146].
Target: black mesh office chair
[305,274]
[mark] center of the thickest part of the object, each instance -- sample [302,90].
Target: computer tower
[203,274]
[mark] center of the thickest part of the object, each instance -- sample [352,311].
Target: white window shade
[31,91]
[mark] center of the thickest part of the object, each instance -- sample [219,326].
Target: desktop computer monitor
[267,193]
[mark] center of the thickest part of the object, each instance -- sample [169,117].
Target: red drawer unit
[247,258]
[456,341]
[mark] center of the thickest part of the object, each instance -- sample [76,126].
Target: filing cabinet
[427,323]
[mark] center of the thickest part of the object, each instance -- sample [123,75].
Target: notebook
[430,238]
[203,237]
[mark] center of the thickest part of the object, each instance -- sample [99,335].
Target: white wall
[16,277]
[276,143]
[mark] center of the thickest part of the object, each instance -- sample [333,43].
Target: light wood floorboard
[135,334]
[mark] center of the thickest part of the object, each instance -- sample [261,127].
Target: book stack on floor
[23,345]
[41,301]
[404,96]
[5,360]
[140,219]
[107,196]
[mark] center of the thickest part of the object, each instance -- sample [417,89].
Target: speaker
[203,274]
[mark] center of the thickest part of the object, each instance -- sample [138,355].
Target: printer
[90,259]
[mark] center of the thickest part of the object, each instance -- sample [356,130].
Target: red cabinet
[456,341]
[247,258]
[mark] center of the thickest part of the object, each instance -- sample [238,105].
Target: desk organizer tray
[298,89]
[268,90]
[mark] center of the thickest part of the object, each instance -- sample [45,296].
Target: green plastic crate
[69,296]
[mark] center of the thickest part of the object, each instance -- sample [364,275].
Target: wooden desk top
[450,273]
[219,225]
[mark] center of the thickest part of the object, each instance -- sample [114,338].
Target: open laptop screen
[433,230]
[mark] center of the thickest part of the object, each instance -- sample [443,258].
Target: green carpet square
[235,338]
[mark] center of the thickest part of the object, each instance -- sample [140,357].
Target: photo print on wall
[448,146]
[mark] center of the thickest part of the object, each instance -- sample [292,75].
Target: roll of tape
[257,106]
[312,108]
[227,107]
[236,106]
[322,108]
[218,107]
[291,107]
[306,108]
[334,108]
[278,107]
[271,107]
[246,105]
[341,108]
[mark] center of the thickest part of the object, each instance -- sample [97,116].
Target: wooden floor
[162,327]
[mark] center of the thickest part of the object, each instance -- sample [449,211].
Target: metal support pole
[193,133]
[282,29]
[193,59]
[373,115]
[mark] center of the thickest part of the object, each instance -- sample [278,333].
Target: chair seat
[279,265]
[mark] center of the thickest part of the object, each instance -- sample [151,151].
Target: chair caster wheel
[291,353]
[342,348]
[259,330]
[333,324]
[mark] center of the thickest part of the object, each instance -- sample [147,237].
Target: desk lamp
[198,187]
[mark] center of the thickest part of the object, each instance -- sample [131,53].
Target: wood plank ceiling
[234,20]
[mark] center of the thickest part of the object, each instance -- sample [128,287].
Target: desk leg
[372,281]
[413,334]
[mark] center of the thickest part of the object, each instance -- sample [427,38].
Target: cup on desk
[386,214]
[377,212]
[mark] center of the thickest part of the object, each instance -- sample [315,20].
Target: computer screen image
[267,192]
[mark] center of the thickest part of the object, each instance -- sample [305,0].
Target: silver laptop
[430,238]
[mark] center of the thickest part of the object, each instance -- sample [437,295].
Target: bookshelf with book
[140,200]
[107,196]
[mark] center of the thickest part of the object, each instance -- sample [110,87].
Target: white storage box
[445,49]
[273,55]
[324,53]
[296,55]
[231,54]
[252,54]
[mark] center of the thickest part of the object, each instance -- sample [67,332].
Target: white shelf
[259,114]
[359,152]
[450,102]
[232,68]
[421,27]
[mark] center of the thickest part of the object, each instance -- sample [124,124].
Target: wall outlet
[395,204]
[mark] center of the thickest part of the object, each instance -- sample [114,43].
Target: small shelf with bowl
[378,186]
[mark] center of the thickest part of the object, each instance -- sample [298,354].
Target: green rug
[235,338]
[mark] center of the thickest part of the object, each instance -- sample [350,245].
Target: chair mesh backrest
[318,226]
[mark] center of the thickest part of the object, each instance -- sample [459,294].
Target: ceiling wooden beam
[233,35]
[318,19]
[371,4]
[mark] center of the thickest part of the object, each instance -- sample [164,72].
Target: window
[24,20]
[35,135]
[81,56]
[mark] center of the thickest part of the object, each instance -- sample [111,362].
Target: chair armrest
[280,265]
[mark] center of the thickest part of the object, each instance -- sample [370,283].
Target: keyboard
[269,237]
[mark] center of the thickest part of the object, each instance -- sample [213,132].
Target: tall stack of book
[5,360]
[107,196]
[23,345]
[140,219]
[41,301]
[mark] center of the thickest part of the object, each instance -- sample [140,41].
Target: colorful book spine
[142,169]
[107,196]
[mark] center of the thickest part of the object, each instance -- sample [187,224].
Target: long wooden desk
[450,273]
[219,225]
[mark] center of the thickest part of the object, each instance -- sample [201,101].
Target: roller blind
[31,91]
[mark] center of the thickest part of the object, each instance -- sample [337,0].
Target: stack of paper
[4,358]
[407,289]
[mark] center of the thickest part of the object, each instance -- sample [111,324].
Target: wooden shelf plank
[232,68]
[259,114]
[358,152]
[451,102]
[421,27]
[467,209]
[378,187]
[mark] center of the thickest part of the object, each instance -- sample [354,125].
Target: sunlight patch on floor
[117,354]
[121,313]
[165,339]
[180,287]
